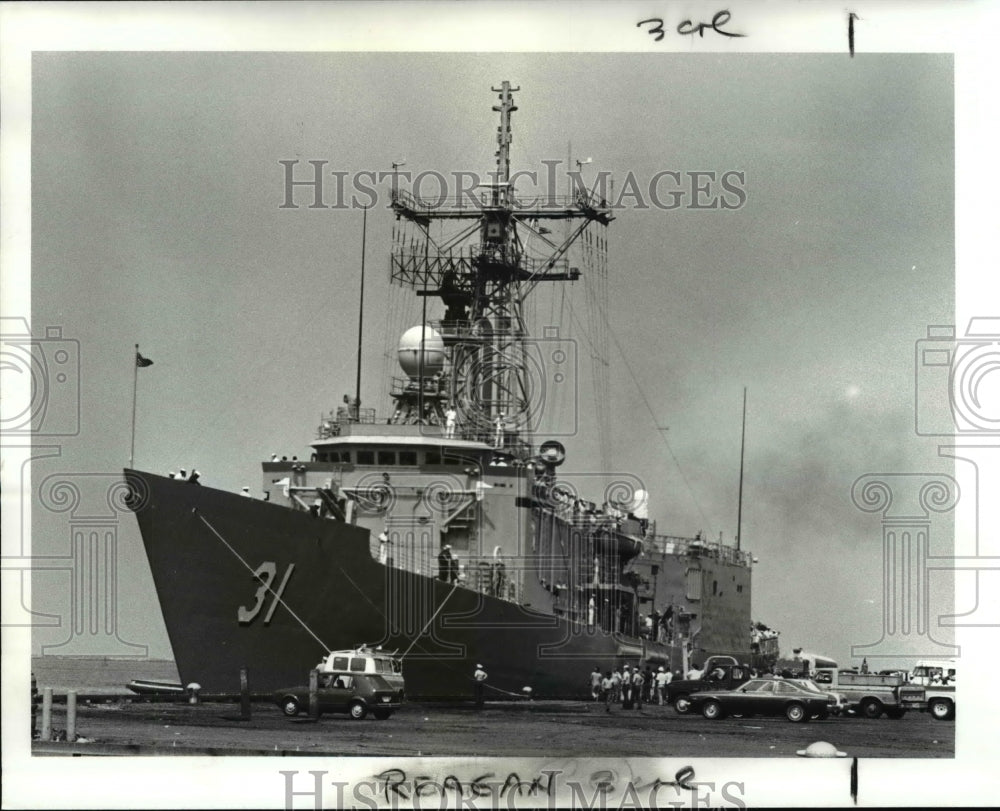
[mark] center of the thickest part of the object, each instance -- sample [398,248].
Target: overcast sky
[156,220]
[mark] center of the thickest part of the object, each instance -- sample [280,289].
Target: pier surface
[118,726]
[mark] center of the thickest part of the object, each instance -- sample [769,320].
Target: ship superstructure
[441,528]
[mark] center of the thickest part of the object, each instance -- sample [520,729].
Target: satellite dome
[409,352]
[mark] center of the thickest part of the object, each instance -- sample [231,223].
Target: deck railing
[676,545]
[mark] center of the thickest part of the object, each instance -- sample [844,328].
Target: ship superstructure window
[432,458]
[366,457]
[387,457]
[357,664]
[408,457]
[340,663]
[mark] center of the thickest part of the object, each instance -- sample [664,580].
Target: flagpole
[135,387]
[739,509]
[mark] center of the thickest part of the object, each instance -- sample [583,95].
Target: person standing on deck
[479,677]
[383,547]
[450,418]
[444,563]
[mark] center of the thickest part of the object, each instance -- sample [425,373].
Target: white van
[364,660]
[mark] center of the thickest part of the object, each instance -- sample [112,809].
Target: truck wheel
[290,706]
[713,710]
[941,709]
[358,711]
[871,708]
[682,704]
[895,713]
[795,713]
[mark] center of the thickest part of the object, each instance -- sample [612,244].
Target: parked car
[765,697]
[841,703]
[717,675]
[356,694]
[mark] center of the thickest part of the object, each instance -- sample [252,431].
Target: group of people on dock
[630,686]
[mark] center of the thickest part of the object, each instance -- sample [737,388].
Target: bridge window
[366,457]
[357,664]
[340,663]
[408,457]
[387,457]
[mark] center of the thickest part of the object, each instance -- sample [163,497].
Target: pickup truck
[937,699]
[716,676]
[870,694]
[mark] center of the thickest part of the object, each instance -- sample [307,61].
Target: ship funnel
[409,352]
[552,453]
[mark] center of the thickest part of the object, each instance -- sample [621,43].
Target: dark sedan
[356,694]
[765,697]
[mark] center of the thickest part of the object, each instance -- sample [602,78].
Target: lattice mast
[483,276]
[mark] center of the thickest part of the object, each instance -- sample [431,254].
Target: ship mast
[483,276]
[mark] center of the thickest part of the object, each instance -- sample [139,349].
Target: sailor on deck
[450,417]
[498,437]
[445,563]
[383,547]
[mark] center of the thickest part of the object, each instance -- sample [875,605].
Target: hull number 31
[265,574]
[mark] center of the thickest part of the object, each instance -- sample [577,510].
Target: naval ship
[441,529]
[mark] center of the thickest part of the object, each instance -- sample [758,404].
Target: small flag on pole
[142,362]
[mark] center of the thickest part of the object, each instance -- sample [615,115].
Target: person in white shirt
[479,676]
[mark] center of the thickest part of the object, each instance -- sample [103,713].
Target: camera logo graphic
[41,381]
[958,380]
[541,400]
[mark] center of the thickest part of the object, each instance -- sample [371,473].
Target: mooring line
[424,629]
[277,596]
